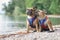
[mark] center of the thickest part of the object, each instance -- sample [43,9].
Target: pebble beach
[33,36]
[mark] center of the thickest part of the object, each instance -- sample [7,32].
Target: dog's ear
[29,12]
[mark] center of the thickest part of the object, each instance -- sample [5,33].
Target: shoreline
[38,35]
[34,36]
[24,30]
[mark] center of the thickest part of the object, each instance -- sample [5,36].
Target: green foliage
[29,3]
[51,6]
[10,8]
[21,4]
[54,6]
[5,7]
[43,5]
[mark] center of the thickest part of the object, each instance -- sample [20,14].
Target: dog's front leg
[40,28]
[37,28]
[27,26]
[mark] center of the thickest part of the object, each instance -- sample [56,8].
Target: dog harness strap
[41,22]
[31,20]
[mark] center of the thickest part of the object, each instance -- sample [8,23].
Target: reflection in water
[11,24]
[8,24]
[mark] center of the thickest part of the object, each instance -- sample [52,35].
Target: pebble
[35,36]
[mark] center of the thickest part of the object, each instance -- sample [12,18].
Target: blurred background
[13,13]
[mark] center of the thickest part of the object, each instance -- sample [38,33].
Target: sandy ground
[33,36]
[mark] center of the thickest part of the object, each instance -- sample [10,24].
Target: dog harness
[31,20]
[42,21]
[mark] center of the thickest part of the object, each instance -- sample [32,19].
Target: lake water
[10,24]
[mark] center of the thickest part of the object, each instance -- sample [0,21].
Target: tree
[21,4]
[5,8]
[54,7]
[51,6]
[10,8]
[42,4]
